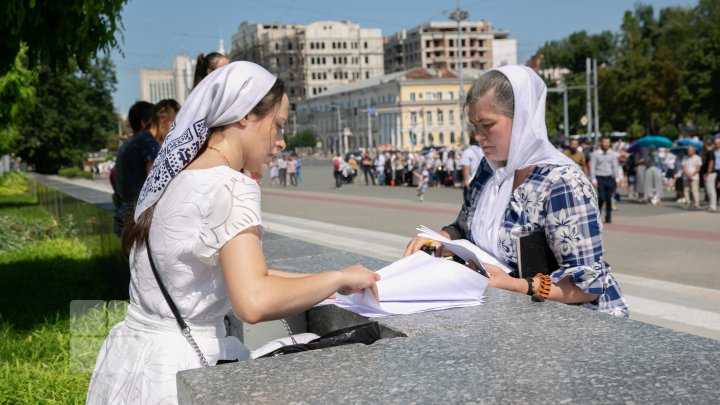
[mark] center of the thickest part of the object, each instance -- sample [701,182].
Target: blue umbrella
[654,141]
[633,147]
[690,142]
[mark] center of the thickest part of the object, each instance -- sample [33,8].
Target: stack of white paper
[418,283]
[465,249]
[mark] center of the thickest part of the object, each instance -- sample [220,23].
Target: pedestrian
[423,182]
[691,178]
[132,163]
[379,163]
[206,64]
[292,170]
[198,222]
[367,167]
[282,170]
[711,175]
[576,155]
[470,161]
[604,164]
[298,162]
[337,164]
[654,185]
[274,173]
[525,183]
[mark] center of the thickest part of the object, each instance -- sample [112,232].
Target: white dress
[199,212]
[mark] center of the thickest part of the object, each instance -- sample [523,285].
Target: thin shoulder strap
[181,323]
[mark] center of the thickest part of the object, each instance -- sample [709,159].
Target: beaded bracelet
[544,290]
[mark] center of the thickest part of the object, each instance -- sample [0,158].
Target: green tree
[74,115]
[59,34]
[304,138]
[17,96]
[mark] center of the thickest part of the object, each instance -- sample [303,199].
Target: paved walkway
[665,258]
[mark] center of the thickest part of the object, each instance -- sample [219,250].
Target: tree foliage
[659,74]
[59,34]
[17,96]
[304,138]
[73,115]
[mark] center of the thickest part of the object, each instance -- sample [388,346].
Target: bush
[13,183]
[73,172]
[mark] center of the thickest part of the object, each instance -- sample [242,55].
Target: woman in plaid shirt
[523,185]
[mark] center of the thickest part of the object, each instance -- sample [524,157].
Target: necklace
[221,155]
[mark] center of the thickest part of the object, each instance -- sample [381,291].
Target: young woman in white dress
[201,217]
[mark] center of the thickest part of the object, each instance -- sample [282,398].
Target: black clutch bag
[534,255]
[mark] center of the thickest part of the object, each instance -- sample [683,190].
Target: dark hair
[140,112]
[206,64]
[134,232]
[162,108]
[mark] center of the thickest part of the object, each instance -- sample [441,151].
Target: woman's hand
[418,242]
[357,278]
[498,277]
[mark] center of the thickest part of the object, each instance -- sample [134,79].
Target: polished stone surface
[506,350]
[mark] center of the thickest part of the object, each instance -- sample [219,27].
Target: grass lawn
[45,270]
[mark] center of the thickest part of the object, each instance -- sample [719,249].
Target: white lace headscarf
[225,96]
[529,146]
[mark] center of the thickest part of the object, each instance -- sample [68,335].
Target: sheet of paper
[464,248]
[418,283]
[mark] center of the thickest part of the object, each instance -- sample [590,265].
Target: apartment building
[311,58]
[407,110]
[435,45]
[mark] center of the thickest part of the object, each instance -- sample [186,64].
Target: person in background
[163,116]
[691,178]
[367,167]
[576,155]
[654,185]
[133,162]
[337,164]
[711,175]
[274,173]
[292,170]
[379,163]
[298,161]
[423,181]
[470,161]
[525,183]
[199,221]
[282,170]
[206,64]
[604,164]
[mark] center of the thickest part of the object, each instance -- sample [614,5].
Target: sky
[156,30]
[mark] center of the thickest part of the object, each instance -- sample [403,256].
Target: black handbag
[366,333]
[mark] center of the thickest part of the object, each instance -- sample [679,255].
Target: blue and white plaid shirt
[560,200]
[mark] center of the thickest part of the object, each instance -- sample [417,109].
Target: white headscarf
[225,96]
[529,146]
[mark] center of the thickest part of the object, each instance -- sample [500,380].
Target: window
[438,95]
[277,61]
[367,75]
[313,75]
[412,96]
[452,137]
[428,95]
[451,95]
[344,45]
[291,61]
[334,60]
[365,44]
[333,45]
[428,117]
[289,46]
[312,45]
[413,118]
[441,138]
[324,62]
[277,46]
[367,60]
[441,117]
[291,76]
[451,116]
[323,45]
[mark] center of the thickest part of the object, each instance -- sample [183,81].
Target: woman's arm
[563,291]
[256,295]
[280,273]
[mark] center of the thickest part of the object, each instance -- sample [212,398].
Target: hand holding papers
[418,283]
[465,249]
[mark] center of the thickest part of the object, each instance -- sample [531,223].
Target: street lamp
[460,15]
[336,107]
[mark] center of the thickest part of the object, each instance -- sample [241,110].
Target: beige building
[435,45]
[175,83]
[311,58]
[406,110]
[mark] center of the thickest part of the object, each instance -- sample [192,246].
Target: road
[665,258]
